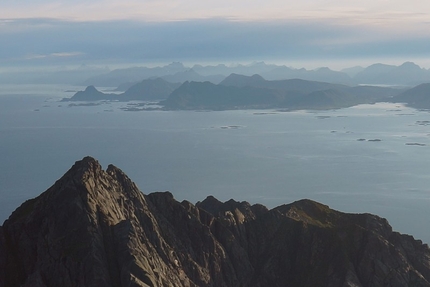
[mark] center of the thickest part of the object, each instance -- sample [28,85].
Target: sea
[363,159]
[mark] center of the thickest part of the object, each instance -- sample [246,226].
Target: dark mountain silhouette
[94,227]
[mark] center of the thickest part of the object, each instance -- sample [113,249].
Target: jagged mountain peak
[86,165]
[85,189]
[94,227]
[89,171]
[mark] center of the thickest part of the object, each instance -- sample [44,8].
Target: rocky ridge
[94,227]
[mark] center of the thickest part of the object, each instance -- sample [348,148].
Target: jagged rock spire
[95,228]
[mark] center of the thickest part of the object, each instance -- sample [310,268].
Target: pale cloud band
[381,12]
[39,41]
[53,55]
[390,17]
[191,30]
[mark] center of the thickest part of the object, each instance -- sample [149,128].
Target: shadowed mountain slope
[417,97]
[254,92]
[94,227]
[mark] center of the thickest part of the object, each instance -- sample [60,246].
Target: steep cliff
[95,228]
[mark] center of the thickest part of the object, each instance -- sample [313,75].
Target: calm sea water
[369,158]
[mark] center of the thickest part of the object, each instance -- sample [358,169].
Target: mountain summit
[94,227]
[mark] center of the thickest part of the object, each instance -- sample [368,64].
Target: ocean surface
[369,158]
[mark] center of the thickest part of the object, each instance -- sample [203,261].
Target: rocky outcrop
[91,94]
[146,90]
[94,227]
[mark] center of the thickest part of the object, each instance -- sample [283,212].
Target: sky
[296,33]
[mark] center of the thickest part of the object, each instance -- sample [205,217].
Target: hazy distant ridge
[407,74]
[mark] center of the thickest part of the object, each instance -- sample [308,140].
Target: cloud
[35,56]
[220,40]
[53,55]
[374,12]
[66,54]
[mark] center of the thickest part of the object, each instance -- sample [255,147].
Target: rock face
[95,228]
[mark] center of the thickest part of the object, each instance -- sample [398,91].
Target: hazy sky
[131,31]
[381,12]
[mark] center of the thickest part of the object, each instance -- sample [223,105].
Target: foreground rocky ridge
[95,228]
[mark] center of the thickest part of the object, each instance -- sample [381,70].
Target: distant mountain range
[407,74]
[248,92]
[254,92]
